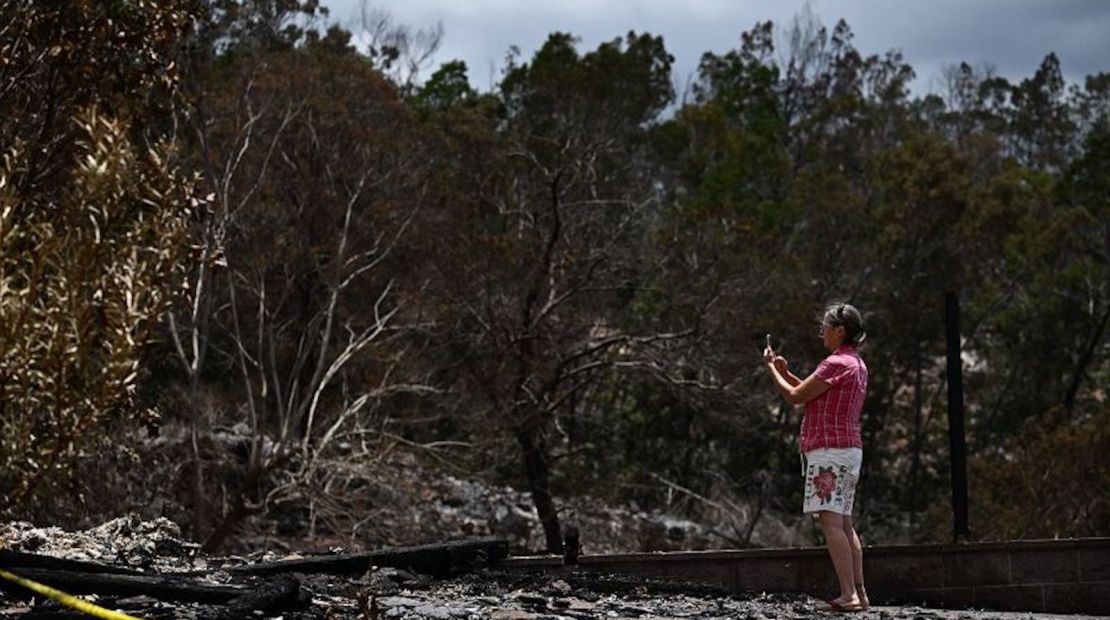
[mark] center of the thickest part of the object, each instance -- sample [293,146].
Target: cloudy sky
[1011,35]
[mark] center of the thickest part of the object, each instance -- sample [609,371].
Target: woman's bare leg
[857,561]
[840,550]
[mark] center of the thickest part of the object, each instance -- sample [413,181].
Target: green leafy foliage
[1064,497]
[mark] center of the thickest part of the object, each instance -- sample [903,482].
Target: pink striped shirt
[832,419]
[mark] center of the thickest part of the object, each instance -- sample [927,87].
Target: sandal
[835,606]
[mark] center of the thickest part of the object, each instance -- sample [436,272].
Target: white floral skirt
[831,475]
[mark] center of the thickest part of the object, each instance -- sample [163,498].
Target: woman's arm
[783,368]
[797,392]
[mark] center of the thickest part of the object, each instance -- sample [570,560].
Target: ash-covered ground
[386,593]
[403,502]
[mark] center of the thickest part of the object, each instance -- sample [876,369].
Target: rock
[512,614]
[531,600]
[587,595]
[559,586]
[435,612]
[576,604]
[389,577]
[398,601]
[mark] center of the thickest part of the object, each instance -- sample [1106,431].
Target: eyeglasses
[823,327]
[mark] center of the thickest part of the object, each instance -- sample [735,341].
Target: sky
[1013,36]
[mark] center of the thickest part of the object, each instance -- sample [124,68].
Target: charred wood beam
[78,577]
[19,559]
[438,560]
[163,587]
[279,594]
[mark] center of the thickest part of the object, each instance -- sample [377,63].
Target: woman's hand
[770,358]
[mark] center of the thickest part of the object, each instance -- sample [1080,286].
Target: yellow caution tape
[66,599]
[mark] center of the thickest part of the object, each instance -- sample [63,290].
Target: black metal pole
[957,448]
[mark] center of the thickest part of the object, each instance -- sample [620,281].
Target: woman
[830,443]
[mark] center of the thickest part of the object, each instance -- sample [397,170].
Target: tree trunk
[918,442]
[539,474]
[1086,357]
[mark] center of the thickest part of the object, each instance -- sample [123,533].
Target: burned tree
[542,262]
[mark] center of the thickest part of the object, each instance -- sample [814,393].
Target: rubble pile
[577,596]
[153,548]
[126,541]
[475,509]
[401,498]
[406,504]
